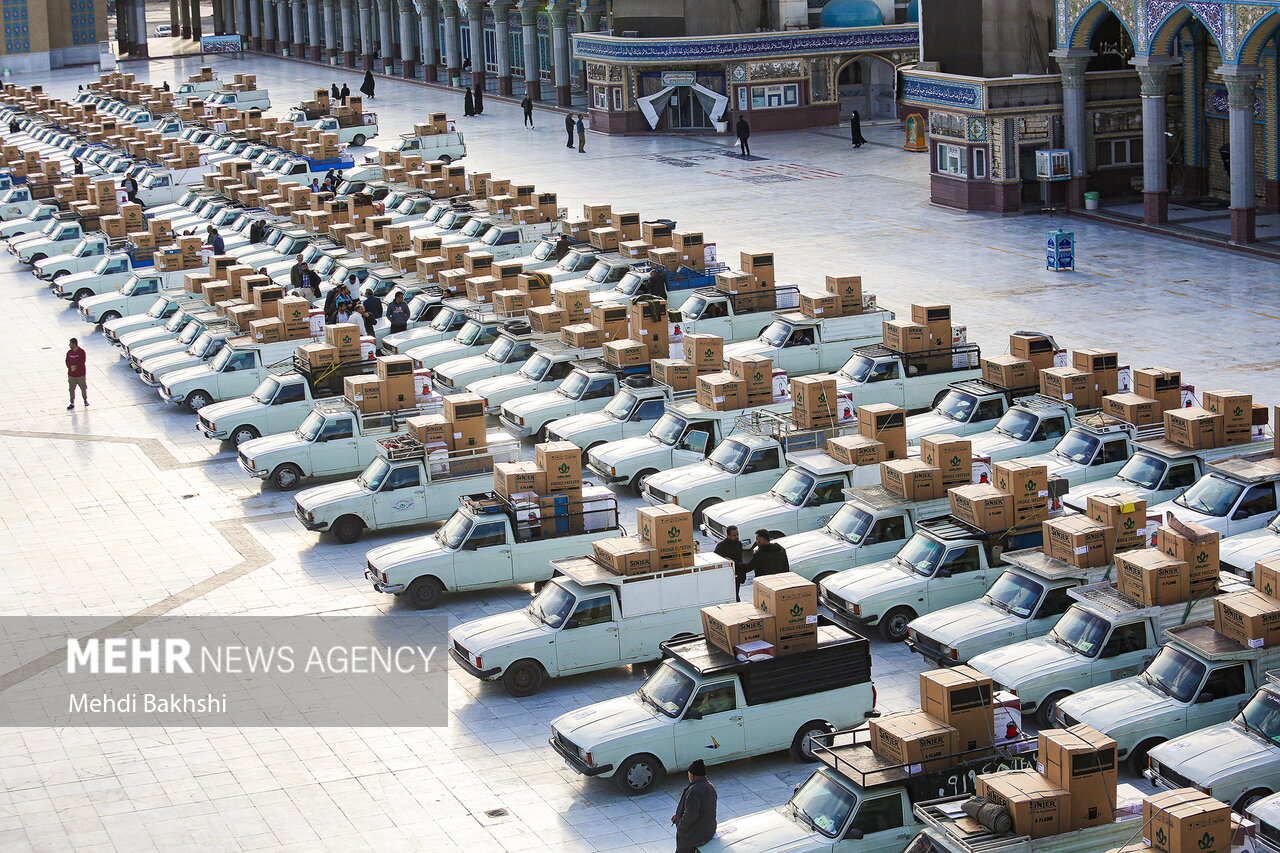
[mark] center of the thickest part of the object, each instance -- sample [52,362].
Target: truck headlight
[164,389]
[519,420]
[311,516]
[855,609]
[586,757]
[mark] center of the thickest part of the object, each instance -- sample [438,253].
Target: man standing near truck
[695,817]
[76,377]
[730,548]
[770,558]
[398,313]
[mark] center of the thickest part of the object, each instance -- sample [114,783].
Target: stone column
[532,63]
[140,49]
[452,47]
[175,15]
[282,25]
[429,50]
[1072,64]
[1153,74]
[217,18]
[406,39]
[329,17]
[561,62]
[299,14]
[184,13]
[242,20]
[367,46]
[314,34]
[590,17]
[255,24]
[475,17]
[196,23]
[502,42]
[124,26]
[1241,81]
[347,17]
[386,36]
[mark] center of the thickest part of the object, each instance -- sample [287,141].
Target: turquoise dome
[913,11]
[851,13]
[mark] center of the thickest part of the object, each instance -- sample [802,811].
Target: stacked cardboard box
[399,385]
[1028,483]
[690,251]
[951,455]
[1125,514]
[626,353]
[667,529]
[1195,545]
[757,372]
[814,403]
[677,373]
[1083,762]
[848,292]
[856,450]
[914,739]
[961,698]
[704,351]
[1250,617]
[647,323]
[722,392]
[1070,385]
[612,320]
[1038,807]
[1028,355]
[459,428]
[887,424]
[346,337]
[912,479]
[1236,409]
[1195,427]
[983,506]
[1186,820]
[1152,578]
[792,601]
[729,626]
[1078,541]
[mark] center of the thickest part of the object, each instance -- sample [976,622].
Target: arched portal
[865,84]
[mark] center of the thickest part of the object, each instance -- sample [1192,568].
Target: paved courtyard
[124,511]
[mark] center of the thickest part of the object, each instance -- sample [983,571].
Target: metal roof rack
[1250,467]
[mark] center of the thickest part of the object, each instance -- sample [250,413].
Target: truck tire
[59,274]
[286,476]
[446,159]
[800,749]
[1138,758]
[1249,799]
[523,678]
[700,512]
[358,140]
[637,775]
[82,293]
[424,593]
[1044,714]
[347,529]
[109,316]
[37,258]
[198,399]
[638,481]
[893,625]
[244,433]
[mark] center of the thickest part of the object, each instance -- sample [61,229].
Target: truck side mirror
[693,714]
[854,834]
[1204,697]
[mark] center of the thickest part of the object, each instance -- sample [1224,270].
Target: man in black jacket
[730,548]
[695,817]
[770,558]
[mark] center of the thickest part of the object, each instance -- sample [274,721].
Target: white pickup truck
[702,703]
[588,619]
[447,322]
[914,381]
[17,203]
[490,542]
[234,372]
[37,220]
[544,370]
[58,239]
[111,273]
[138,291]
[1237,495]
[156,361]
[401,487]
[165,317]
[803,345]
[505,355]
[588,387]
[255,99]
[629,413]
[445,147]
[84,256]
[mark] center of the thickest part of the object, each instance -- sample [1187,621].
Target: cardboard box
[318,354]
[886,423]
[267,330]
[1037,349]
[727,626]
[575,302]
[961,697]
[469,435]
[388,366]
[583,336]
[1038,807]
[951,455]
[704,350]
[912,479]
[680,375]
[1103,364]
[793,603]
[346,337]
[1009,371]
[561,462]
[1248,617]
[1266,577]
[547,319]
[1152,578]
[1070,386]
[1194,427]
[1029,485]
[431,429]
[1197,546]
[1186,820]
[914,739]
[464,407]
[511,478]
[820,305]
[983,506]
[1125,514]
[905,336]
[814,402]
[1132,408]
[626,353]
[758,265]
[1236,409]
[856,450]
[1161,384]
[364,393]
[849,289]
[722,392]
[666,527]
[625,555]
[1081,760]
[1077,541]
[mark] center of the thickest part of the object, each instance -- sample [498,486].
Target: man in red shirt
[76,374]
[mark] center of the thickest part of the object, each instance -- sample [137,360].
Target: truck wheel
[244,433]
[37,258]
[59,274]
[893,626]
[446,159]
[1044,714]
[286,477]
[523,678]
[1249,799]
[637,775]
[638,481]
[357,140]
[701,511]
[540,437]
[109,316]
[348,529]
[82,293]
[424,593]
[197,400]
[801,749]
[1138,758]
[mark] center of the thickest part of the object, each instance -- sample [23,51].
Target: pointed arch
[1165,33]
[1089,19]
[1252,45]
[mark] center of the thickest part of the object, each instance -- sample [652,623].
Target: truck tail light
[384,577]
[875,696]
[954,654]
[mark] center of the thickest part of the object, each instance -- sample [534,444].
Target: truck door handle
[737,719]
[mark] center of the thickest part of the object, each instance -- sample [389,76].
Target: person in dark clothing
[344,93]
[130,187]
[582,135]
[257,231]
[76,166]
[695,817]
[14,127]
[76,377]
[334,92]
[468,103]
[527,106]
[331,304]
[730,548]
[479,101]
[216,242]
[568,129]
[744,136]
[398,313]
[769,558]
[367,86]
[295,271]
[855,130]
[372,310]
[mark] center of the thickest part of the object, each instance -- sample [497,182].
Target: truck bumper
[218,434]
[310,525]
[517,431]
[482,674]
[252,472]
[932,656]
[848,621]
[388,588]
[175,399]
[577,763]
[605,476]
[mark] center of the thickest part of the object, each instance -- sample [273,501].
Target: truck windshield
[576,261]
[668,429]
[1212,495]
[447,222]
[132,285]
[957,406]
[310,427]
[621,406]
[822,803]
[551,606]
[535,368]
[500,350]
[850,523]
[266,391]
[667,690]
[574,385]
[189,332]
[1081,631]
[920,555]
[492,236]
[1078,446]
[793,487]
[434,214]
[470,334]
[776,333]
[599,273]
[157,307]
[1015,594]
[1017,424]
[729,456]
[543,251]
[1262,716]
[1143,470]
[220,360]
[858,368]
[201,346]
[694,307]
[454,531]
[475,228]
[372,477]
[1174,673]
[442,321]
[630,283]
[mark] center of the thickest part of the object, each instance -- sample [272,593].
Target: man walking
[582,135]
[398,313]
[76,377]
[744,136]
[730,548]
[770,558]
[527,106]
[372,310]
[568,129]
[695,817]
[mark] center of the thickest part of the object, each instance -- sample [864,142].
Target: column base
[366,61]
[269,45]
[453,76]
[1195,181]
[140,51]
[330,53]
[298,50]
[533,88]
[430,72]
[349,59]
[186,32]
[1272,190]
[314,52]
[1244,225]
[1075,193]
[564,96]
[504,86]
[409,68]
[1155,208]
